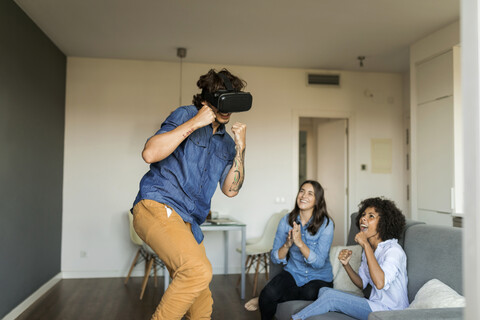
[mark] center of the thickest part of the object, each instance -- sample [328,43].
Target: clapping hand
[297,235]
[289,241]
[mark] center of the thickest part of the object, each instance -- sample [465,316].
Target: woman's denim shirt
[317,266]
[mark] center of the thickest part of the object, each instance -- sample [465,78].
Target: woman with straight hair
[302,244]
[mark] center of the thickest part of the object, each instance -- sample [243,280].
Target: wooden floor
[109,298]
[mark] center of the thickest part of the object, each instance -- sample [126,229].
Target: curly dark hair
[392,221]
[319,211]
[211,82]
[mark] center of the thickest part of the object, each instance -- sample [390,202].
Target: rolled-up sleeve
[320,253]
[280,238]
[363,271]
[394,259]
[176,118]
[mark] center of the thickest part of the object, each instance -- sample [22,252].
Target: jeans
[172,239]
[335,300]
[284,288]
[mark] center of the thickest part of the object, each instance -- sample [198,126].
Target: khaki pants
[172,239]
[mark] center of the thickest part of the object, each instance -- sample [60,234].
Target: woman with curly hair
[384,266]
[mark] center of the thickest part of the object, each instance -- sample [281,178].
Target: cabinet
[436,127]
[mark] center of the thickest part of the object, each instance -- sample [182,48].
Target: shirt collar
[387,243]
[306,224]
[221,129]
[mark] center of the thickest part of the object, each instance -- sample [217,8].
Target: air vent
[325,79]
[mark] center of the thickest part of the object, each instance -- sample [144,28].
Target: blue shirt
[187,179]
[393,261]
[317,266]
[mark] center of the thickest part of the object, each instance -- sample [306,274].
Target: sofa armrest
[418,314]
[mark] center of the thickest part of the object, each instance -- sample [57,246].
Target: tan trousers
[172,239]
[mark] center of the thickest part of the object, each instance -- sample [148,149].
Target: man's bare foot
[252,304]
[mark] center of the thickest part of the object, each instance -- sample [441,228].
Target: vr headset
[228,100]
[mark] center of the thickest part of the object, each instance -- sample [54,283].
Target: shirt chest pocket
[221,156]
[197,141]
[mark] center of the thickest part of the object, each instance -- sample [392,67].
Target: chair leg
[265,259]
[258,258]
[252,260]
[133,265]
[148,267]
[155,273]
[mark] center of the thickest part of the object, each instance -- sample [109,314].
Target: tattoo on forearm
[189,132]
[238,173]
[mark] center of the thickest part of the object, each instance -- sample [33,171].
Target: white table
[235,225]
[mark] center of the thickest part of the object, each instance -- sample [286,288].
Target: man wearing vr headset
[188,157]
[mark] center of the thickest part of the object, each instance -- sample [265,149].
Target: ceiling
[311,34]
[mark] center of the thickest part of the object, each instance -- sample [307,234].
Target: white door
[332,173]
[326,161]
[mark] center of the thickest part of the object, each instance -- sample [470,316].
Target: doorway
[323,156]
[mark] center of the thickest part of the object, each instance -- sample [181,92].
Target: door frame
[349,172]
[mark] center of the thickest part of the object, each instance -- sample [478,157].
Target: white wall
[112,106]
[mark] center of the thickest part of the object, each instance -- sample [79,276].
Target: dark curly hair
[319,211]
[211,82]
[392,221]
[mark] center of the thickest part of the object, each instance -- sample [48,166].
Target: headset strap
[226,81]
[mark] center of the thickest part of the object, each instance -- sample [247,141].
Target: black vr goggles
[228,100]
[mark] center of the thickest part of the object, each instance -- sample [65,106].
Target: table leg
[166,279]
[225,247]
[242,263]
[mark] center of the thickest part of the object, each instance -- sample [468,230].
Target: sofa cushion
[436,294]
[433,252]
[341,280]
[419,314]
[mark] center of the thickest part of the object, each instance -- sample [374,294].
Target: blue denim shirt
[187,179]
[317,266]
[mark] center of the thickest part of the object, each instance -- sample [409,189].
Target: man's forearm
[236,175]
[161,146]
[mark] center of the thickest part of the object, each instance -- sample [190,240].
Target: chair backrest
[266,240]
[133,235]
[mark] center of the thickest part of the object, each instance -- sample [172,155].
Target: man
[188,156]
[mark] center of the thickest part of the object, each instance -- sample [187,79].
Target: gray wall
[32,121]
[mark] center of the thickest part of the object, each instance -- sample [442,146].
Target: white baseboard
[32,298]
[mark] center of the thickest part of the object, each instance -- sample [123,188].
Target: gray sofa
[433,252]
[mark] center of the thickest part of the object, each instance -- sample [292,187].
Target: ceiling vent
[325,79]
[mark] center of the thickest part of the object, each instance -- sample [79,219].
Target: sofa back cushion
[433,252]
